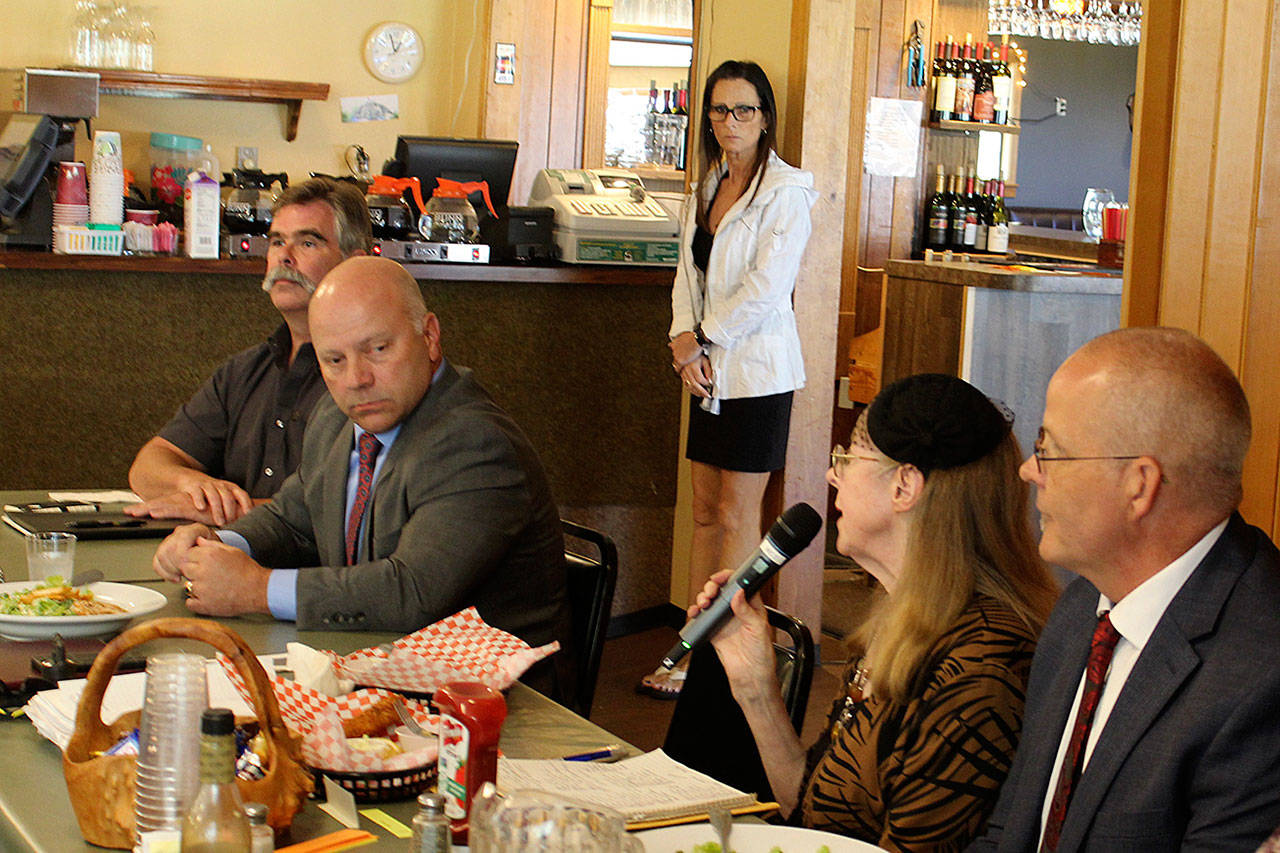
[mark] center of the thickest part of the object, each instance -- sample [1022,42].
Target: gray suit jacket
[461,515]
[1190,756]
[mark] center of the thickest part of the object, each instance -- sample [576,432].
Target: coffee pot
[247,209]
[449,216]
[389,214]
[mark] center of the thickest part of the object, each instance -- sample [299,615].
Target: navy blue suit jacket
[1190,756]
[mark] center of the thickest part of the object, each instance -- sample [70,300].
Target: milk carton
[201,213]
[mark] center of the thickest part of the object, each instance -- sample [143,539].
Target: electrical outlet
[1060,106]
[246,157]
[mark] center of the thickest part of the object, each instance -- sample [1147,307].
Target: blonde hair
[970,535]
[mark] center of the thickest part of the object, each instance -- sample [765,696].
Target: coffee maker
[39,132]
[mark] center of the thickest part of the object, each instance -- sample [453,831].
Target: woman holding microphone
[733,336]
[923,732]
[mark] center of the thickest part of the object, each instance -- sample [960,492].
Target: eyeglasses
[1038,453]
[841,457]
[742,112]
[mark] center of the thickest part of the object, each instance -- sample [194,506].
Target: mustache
[283,273]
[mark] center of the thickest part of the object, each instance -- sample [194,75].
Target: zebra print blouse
[925,775]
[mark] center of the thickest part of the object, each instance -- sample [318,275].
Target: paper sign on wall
[891,143]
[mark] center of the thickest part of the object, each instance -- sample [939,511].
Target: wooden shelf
[967,126]
[151,84]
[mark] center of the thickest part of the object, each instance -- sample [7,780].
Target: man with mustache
[233,443]
[416,495]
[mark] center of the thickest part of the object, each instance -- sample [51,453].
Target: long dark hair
[735,69]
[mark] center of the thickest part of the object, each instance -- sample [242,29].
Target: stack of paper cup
[168,764]
[71,199]
[106,184]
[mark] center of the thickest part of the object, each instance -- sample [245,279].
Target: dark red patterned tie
[1105,637]
[369,447]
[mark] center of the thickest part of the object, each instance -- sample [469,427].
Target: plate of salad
[751,838]
[37,611]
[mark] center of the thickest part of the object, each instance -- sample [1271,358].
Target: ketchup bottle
[470,722]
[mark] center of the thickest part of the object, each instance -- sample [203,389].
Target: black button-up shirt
[245,424]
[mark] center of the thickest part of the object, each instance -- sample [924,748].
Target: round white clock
[393,52]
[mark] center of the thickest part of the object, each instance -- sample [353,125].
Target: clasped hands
[219,580]
[691,364]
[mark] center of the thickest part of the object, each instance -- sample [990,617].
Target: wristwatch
[699,337]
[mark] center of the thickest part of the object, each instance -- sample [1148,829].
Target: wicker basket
[101,787]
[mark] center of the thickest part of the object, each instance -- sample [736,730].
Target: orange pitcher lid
[447,188]
[387,185]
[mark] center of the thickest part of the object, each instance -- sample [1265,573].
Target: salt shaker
[263,836]
[430,826]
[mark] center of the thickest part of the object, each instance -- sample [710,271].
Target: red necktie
[1105,638]
[369,447]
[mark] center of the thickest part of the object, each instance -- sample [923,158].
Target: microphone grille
[795,529]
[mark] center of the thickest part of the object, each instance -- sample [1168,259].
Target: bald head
[377,344]
[1165,393]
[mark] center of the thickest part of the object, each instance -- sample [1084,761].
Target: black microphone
[790,535]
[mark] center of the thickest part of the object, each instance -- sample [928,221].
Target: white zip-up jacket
[744,300]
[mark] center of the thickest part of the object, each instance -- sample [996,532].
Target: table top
[119,559]
[36,813]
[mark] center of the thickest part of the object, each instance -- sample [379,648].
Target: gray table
[36,814]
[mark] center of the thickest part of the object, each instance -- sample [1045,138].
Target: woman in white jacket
[733,332]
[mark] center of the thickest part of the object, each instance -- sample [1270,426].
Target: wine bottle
[984,214]
[984,99]
[970,213]
[1002,84]
[959,211]
[944,84]
[965,82]
[216,822]
[938,213]
[998,230]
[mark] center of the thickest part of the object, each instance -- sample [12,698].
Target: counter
[102,351]
[1005,330]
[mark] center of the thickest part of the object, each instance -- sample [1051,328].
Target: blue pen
[612,752]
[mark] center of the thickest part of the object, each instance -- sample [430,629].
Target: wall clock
[393,52]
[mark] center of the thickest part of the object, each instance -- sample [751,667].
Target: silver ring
[187,586]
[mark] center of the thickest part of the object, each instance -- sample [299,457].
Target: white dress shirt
[1135,618]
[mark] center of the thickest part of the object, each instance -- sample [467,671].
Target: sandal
[664,683]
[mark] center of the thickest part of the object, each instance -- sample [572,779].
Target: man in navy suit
[1137,472]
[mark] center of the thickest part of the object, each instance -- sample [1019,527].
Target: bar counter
[1002,327]
[102,351]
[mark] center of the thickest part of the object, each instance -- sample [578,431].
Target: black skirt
[749,434]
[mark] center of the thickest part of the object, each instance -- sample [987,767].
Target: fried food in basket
[374,721]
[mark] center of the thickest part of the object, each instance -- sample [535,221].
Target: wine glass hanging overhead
[1093,21]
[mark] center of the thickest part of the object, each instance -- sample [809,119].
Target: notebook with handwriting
[649,787]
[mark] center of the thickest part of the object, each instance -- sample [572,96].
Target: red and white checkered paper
[461,647]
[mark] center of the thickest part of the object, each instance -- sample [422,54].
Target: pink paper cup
[72,188]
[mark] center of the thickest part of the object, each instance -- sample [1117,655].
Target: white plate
[136,600]
[751,838]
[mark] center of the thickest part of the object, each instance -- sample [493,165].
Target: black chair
[708,731]
[591,584]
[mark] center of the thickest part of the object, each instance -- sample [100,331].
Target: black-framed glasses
[1039,454]
[742,112]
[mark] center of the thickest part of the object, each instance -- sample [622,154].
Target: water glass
[168,766]
[1095,199]
[50,554]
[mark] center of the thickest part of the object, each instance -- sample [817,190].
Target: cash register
[606,216]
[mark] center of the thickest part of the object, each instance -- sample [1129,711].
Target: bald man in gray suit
[455,509]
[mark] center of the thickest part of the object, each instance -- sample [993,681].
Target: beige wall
[318,41]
